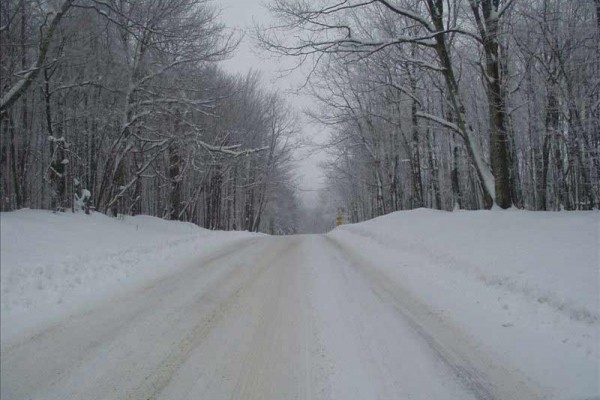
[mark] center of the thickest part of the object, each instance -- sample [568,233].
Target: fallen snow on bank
[522,285]
[52,264]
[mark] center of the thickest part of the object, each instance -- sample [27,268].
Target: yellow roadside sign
[339,219]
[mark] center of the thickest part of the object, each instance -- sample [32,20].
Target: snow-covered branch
[23,84]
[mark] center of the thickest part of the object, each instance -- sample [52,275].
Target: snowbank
[52,264]
[522,285]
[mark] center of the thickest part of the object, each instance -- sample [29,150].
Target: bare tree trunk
[379,201]
[433,167]
[485,176]
[58,162]
[458,201]
[543,179]
[6,126]
[135,208]
[174,181]
[394,181]
[25,129]
[552,131]
[417,200]
[234,205]
[499,146]
[119,180]
[14,170]
[563,177]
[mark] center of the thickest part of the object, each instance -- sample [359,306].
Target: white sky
[241,15]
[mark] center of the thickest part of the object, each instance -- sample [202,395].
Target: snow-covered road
[293,317]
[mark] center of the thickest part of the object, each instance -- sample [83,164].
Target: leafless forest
[122,106]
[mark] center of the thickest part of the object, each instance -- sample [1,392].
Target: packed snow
[524,285]
[419,304]
[57,263]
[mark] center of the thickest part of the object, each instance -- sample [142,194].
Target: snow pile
[52,264]
[523,285]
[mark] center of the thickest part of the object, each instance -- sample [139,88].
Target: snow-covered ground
[53,264]
[419,304]
[522,285]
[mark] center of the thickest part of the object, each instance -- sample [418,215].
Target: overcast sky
[240,15]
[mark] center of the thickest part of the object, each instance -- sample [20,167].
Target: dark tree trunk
[119,181]
[552,131]
[234,207]
[499,146]
[436,8]
[433,166]
[14,170]
[563,183]
[415,151]
[458,202]
[543,178]
[175,181]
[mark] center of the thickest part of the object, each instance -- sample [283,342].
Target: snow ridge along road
[297,317]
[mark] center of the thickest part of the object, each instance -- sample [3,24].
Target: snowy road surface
[267,318]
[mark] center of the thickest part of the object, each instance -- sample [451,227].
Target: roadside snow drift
[522,285]
[52,264]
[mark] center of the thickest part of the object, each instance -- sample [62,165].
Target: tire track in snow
[482,376]
[155,383]
[60,358]
[281,358]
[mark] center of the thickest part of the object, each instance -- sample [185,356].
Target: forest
[451,104]
[122,106]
